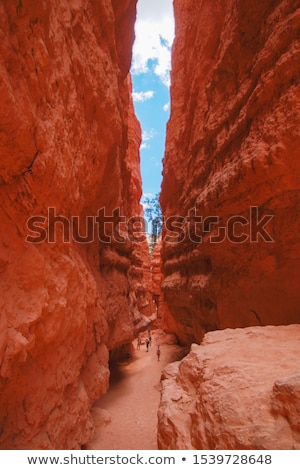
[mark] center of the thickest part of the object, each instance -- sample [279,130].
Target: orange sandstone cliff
[69,144]
[231,179]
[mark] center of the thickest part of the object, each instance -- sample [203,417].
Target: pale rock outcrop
[239,389]
[233,143]
[69,141]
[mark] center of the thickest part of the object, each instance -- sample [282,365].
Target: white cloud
[154,37]
[141,96]
[166,107]
[146,137]
[155,9]
[147,195]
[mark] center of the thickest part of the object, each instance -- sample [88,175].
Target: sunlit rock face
[69,144]
[240,389]
[232,159]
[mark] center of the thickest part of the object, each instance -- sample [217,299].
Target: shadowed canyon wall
[164,320]
[69,141]
[233,144]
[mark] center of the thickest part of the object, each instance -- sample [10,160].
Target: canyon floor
[132,401]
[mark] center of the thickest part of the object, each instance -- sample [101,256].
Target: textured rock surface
[157,293]
[69,140]
[233,143]
[240,389]
[164,319]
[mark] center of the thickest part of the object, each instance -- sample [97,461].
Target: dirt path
[132,401]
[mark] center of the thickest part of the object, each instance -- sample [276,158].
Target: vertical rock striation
[232,145]
[164,319]
[69,148]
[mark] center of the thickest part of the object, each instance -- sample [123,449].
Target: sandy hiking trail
[132,400]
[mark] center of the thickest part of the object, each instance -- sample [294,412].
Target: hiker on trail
[139,342]
[147,344]
[150,340]
[158,352]
[149,330]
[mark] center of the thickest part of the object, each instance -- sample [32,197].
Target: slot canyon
[224,277]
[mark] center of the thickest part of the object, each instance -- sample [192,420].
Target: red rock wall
[164,320]
[69,140]
[233,143]
[157,293]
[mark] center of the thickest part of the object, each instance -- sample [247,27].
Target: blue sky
[150,75]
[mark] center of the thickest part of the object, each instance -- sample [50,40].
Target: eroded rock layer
[69,148]
[164,320]
[240,389]
[230,192]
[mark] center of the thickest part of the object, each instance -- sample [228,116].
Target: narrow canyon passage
[132,400]
[78,282]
